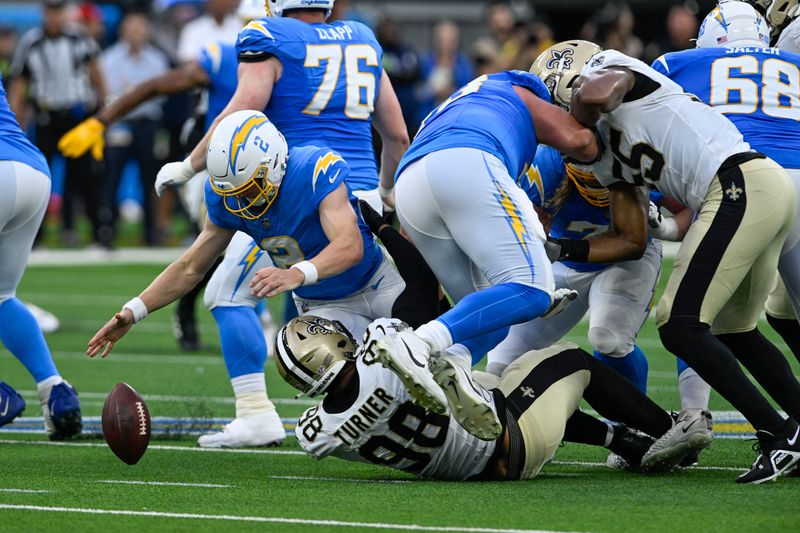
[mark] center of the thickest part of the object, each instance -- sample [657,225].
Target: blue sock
[633,366]
[493,309]
[260,306]
[23,338]
[243,344]
[682,366]
[289,309]
[479,346]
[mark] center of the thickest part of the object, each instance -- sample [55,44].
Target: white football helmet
[246,161]
[733,24]
[311,351]
[560,65]
[275,8]
[778,12]
[251,10]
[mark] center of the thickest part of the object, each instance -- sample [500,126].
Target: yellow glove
[88,135]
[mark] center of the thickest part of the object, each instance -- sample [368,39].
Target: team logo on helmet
[560,59]
[317,326]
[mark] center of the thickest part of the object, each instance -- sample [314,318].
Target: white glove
[662,228]
[173,174]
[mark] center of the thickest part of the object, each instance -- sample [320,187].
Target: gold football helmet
[311,351]
[560,65]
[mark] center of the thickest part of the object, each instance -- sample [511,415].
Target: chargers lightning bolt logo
[240,137]
[322,166]
[248,261]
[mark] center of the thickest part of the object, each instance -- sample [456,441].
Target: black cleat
[777,455]
[185,330]
[630,445]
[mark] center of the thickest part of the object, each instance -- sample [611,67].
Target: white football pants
[618,299]
[26,192]
[472,223]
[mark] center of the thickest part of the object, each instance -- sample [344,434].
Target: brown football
[126,423]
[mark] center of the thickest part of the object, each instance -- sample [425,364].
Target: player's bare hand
[271,281]
[114,330]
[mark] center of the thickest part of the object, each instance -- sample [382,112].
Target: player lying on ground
[724,269]
[25,177]
[368,414]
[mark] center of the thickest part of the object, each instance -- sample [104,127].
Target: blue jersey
[14,146]
[758,89]
[220,63]
[291,231]
[328,86]
[583,214]
[486,114]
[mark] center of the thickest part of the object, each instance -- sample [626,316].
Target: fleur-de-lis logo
[560,59]
[528,392]
[734,192]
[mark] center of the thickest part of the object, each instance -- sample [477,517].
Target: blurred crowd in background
[60,60]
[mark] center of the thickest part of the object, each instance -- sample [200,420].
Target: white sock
[609,435]
[693,390]
[250,391]
[436,334]
[460,354]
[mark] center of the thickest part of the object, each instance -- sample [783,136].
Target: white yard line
[25,491]
[149,358]
[351,480]
[603,465]
[164,483]
[154,447]
[180,398]
[126,256]
[264,519]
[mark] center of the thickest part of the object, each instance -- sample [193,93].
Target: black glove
[373,219]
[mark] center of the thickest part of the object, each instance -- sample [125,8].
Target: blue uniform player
[321,84]
[618,296]
[458,200]
[25,177]
[296,205]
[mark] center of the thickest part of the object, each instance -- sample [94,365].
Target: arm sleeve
[329,170]
[19,64]
[258,41]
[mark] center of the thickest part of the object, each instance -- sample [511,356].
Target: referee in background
[56,67]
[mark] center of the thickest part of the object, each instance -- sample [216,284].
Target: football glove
[173,174]
[88,135]
[662,228]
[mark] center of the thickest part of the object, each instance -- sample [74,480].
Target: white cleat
[48,322]
[407,355]
[471,404]
[262,429]
[692,431]
[561,299]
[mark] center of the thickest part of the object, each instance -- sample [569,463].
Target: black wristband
[575,250]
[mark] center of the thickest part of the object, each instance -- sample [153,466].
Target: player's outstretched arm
[88,135]
[388,120]
[175,281]
[600,92]
[345,250]
[557,128]
[253,91]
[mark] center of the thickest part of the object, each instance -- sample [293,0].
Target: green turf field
[82,486]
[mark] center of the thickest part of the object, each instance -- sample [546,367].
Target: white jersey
[382,426]
[666,137]
[789,39]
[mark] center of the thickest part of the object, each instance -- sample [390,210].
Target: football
[126,423]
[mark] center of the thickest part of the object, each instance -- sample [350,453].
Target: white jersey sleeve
[662,136]
[789,39]
[383,426]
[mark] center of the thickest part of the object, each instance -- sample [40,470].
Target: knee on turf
[609,343]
